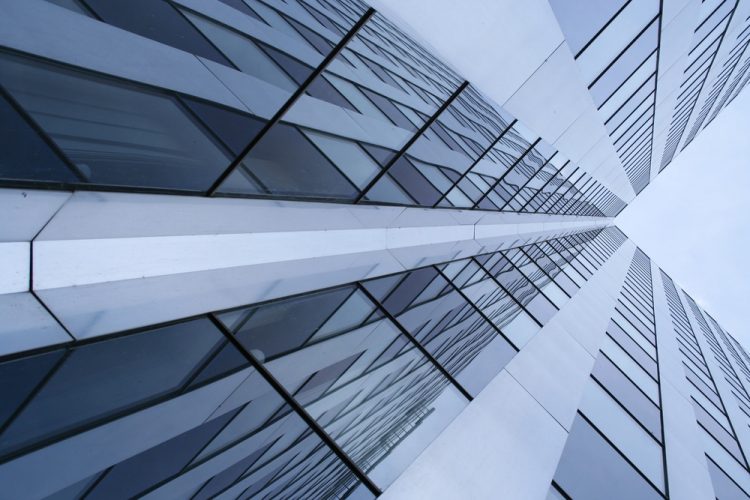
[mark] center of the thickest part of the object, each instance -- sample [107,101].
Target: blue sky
[694,218]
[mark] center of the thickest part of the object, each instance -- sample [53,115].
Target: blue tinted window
[158,20]
[114,133]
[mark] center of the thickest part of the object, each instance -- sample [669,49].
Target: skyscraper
[321,249]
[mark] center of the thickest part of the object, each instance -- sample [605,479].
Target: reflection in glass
[176,411]
[369,387]
[426,305]
[591,469]
[115,134]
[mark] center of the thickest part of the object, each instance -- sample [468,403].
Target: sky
[693,220]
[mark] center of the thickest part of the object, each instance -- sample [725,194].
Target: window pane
[113,133]
[285,162]
[185,415]
[429,308]
[581,20]
[158,20]
[72,397]
[25,154]
[395,402]
[628,394]
[358,166]
[591,469]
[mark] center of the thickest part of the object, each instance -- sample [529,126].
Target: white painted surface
[14,266]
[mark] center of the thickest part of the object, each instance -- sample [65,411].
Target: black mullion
[416,344]
[621,454]
[584,189]
[479,311]
[291,101]
[601,30]
[521,188]
[557,191]
[562,269]
[630,128]
[43,136]
[634,148]
[597,203]
[632,112]
[622,52]
[629,412]
[554,197]
[499,179]
[551,194]
[296,407]
[541,189]
[484,153]
[713,59]
[631,95]
[575,206]
[411,141]
[544,272]
[588,198]
[517,302]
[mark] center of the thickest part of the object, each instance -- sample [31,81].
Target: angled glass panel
[718,432]
[628,395]
[158,20]
[538,276]
[550,188]
[590,468]
[519,286]
[580,21]
[454,141]
[356,99]
[526,168]
[724,486]
[286,162]
[25,154]
[616,37]
[450,328]
[72,398]
[371,389]
[178,412]
[115,134]
[626,64]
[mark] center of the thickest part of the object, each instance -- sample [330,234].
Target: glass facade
[283,249]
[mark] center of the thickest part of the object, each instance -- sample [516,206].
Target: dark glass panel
[233,435]
[135,475]
[235,129]
[20,378]
[322,45]
[390,110]
[298,319]
[320,88]
[158,20]
[244,8]
[24,154]
[285,162]
[96,381]
[413,182]
[115,133]
[349,357]
[447,326]
[382,155]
